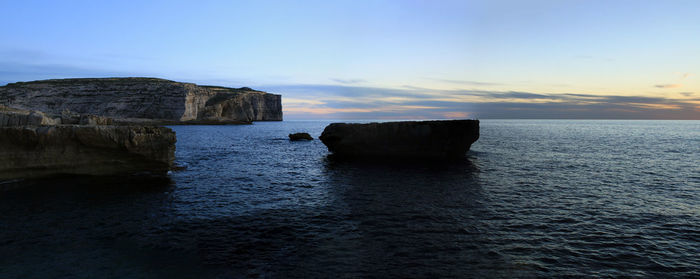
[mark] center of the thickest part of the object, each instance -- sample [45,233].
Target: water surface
[532,198]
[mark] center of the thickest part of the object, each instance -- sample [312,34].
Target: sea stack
[144,100]
[444,139]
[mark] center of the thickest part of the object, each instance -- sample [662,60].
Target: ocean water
[533,198]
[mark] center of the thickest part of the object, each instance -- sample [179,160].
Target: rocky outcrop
[300,136]
[144,99]
[32,145]
[410,139]
[16,117]
[89,119]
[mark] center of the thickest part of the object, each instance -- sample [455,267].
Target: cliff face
[143,98]
[246,104]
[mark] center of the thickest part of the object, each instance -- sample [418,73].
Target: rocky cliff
[35,144]
[144,99]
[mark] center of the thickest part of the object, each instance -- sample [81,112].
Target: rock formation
[144,100]
[16,117]
[33,144]
[300,136]
[410,139]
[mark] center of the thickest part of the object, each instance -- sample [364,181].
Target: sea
[532,198]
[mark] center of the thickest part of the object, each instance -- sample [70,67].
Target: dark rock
[410,139]
[300,136]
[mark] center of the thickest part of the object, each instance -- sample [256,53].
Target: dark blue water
[532,199]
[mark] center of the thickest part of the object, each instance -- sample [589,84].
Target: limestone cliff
[143,98]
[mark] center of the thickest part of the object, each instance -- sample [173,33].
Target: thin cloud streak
[467,82]
[348,81]
[668,86]
[683,77]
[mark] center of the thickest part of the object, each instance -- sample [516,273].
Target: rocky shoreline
[33,144]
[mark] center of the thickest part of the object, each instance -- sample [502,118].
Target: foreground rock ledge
[32,151]
[444,139]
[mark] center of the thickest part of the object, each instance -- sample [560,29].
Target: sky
[381,59]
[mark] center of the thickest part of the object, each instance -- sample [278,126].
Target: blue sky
[381,59]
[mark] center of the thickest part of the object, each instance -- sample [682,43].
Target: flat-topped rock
[442,139]
[144,99]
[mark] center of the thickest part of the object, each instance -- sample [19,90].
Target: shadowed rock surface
[10,117]
[409,139]
[144,99]
[17,117]
[33,144]
[300,136]
[95,150]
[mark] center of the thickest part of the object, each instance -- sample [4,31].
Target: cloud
[687,94]
[668,86]
[294,102]
[348,81]
[411,87]
[514,95]
[385,109]
[467,82]
[456,114]
[683,76]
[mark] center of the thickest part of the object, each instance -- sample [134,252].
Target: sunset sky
[381,59]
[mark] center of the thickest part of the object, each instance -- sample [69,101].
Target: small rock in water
[300,136]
